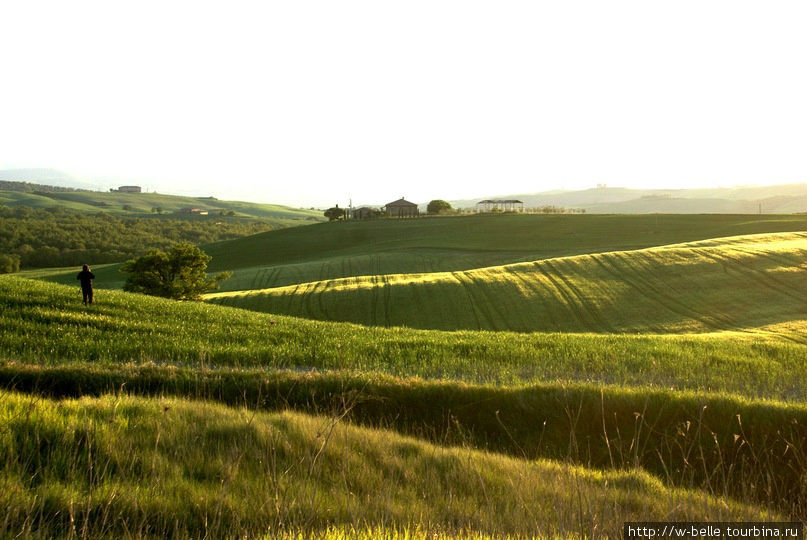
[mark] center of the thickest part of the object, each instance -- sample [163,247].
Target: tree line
[27,187]
[44,237]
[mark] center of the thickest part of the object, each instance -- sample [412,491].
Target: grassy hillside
[46,323]
[54,346]
[176,468]
[674,391]
[142,203]
[722,284]
[334,250]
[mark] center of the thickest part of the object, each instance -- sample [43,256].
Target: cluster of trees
[178,273]
[438,206]
[548,209]
[27,187]
[335,213]
[43,237]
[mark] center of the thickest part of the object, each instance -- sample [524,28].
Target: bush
[9,264]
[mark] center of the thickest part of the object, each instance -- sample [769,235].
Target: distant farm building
[129,189]
[195,211]
[500,205]
[401,209]
[365,212]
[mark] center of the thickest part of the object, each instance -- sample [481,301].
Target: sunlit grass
[125,466]
[47,324]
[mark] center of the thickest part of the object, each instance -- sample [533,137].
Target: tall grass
[749,450]
[120,466]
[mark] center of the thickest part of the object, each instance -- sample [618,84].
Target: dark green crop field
[346,249]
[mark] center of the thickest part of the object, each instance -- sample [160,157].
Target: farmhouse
[401,208]
[196,211]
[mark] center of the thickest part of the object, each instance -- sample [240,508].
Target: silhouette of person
[86,277]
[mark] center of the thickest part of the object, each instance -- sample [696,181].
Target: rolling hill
[142,203]
[291,256]
[730,283]
[628,367]
[611,402]
[345,249]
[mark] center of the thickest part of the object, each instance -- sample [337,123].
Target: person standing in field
[86,277]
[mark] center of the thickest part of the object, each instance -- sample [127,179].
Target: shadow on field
[754,452]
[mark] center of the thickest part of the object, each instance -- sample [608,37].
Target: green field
[528,376]
[346,249]
[576,386]
[722,284]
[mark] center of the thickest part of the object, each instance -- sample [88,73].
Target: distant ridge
[28,187]
[778,199]
[23,193]
[46,178]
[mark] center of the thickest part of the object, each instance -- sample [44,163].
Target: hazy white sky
[310,102]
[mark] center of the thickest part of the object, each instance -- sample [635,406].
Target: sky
[311,103]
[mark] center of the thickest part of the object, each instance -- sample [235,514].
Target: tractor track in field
[759,276]
[781,259]
[387,300]
[539,291]
[584,302]
[294,296]
[577,310]
[273,277]
[486,303]
[490,300]
[640,284]
[320,295]
[468,293]
[643,260]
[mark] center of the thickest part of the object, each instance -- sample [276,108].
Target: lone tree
[335,213]
[178,273]
[438,206]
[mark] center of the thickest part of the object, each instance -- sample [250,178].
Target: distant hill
[780,199]
[46,178]
[16,193]
[28,187]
